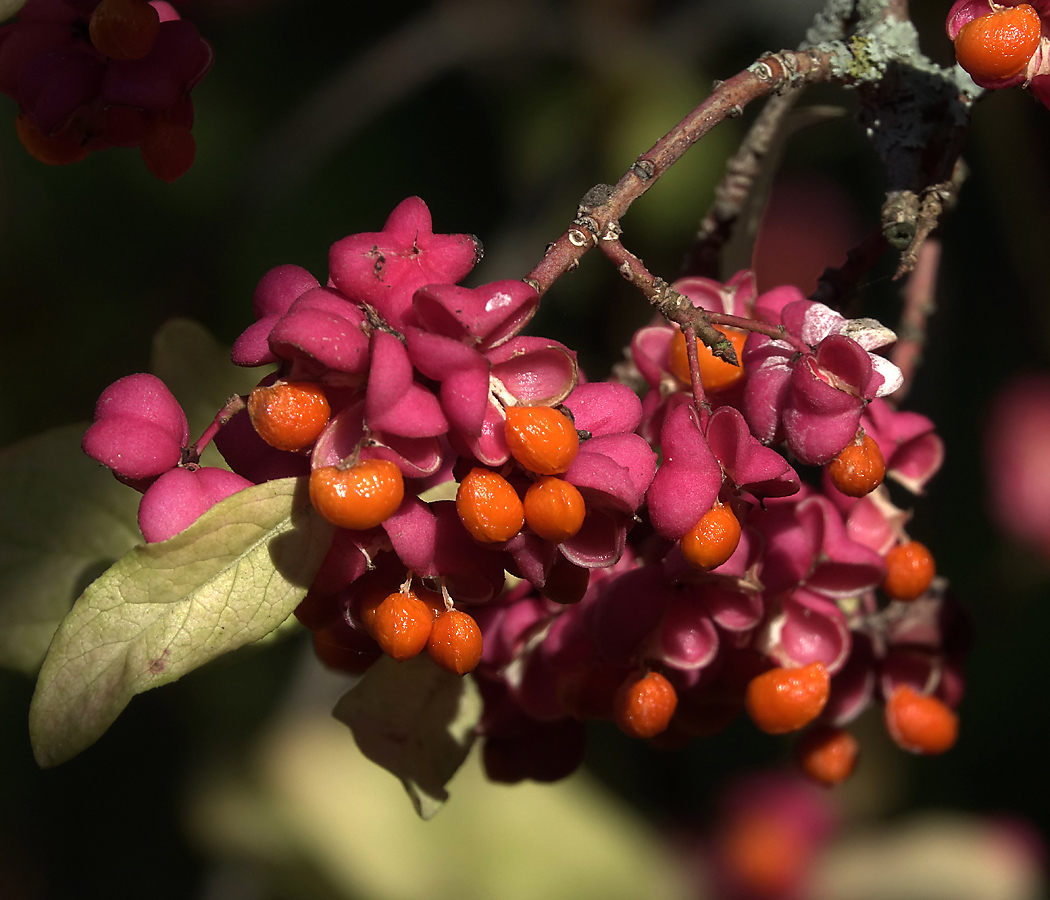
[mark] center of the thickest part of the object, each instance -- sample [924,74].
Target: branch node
[643,168]
[595,198]
[899,215]
[588,222]
[762,70]
[580,238]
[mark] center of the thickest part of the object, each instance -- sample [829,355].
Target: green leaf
[198,371]
[415,720]
[64,519]
[164,609]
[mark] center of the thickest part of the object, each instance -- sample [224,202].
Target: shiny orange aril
[541,438]
[124,29]
[489,507]
[644,704]
[919,723]
[168,149]
[455,642]
[289,415]
[999,45]
[554,509]
[712,540]
[782,700]
[910,570]
[402,625]
[827,754]
[858,469]
[360,497]
[55,150]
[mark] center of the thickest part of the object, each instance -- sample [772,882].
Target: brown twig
[671,304]
[732,193]
[932,204]
[606,204]
[896,9]
[676,307]
[919,304]
[692,353]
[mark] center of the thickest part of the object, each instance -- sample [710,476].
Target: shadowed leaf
[64,519]
[415,720]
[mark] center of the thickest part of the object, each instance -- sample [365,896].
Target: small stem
[667,301]
[678,308]
[192,454]
[703,409]
[918,306]
[606,204]
[776,332]
[896,9]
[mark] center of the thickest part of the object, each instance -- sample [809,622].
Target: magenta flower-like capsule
[179,497]
[139,428]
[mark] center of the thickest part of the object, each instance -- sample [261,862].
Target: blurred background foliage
[316,120]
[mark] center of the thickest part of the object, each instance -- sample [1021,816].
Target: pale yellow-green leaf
[9,7]
[164,609]
[417,721]
[64,519]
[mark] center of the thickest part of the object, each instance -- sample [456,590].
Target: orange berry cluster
[672,568]
[784,700]
[291,416]
[544,442]
[401,624]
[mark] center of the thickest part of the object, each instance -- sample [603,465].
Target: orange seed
[541,438]
[910,569]
[999,45]
[554,509]
[783,700]
[489,506]
[358,498]
[713,539]
[858,469]
[919,723]
[289,415]
[715,374]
